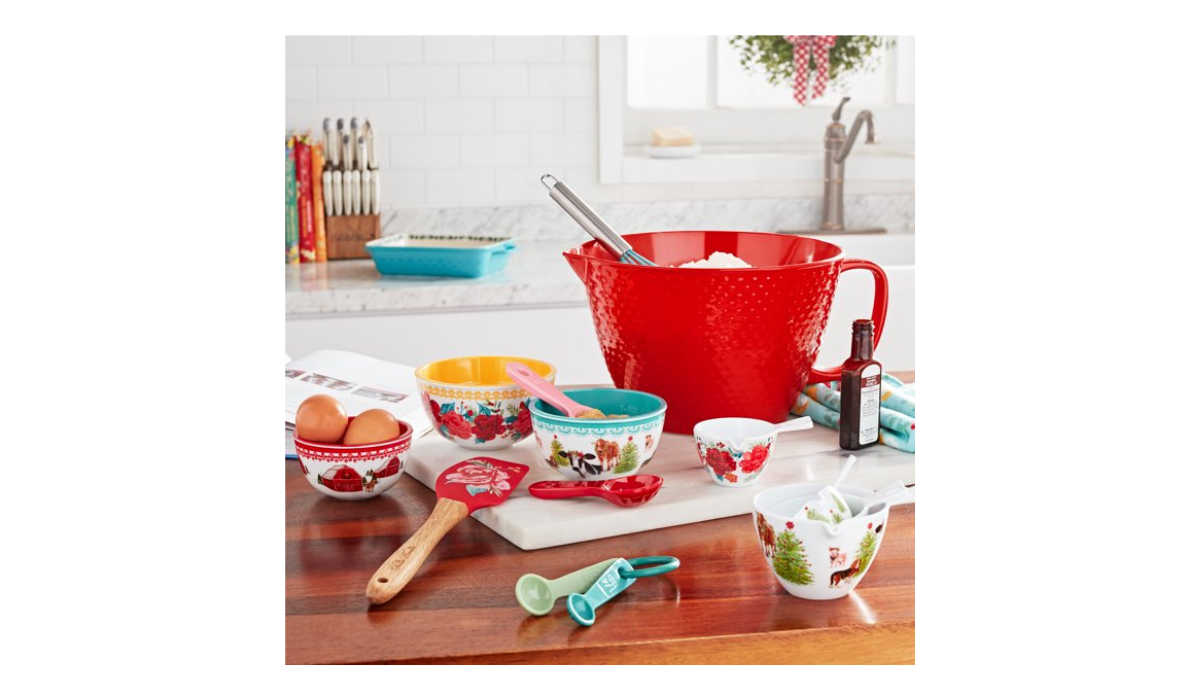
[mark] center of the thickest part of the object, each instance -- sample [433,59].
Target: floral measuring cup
[735,451]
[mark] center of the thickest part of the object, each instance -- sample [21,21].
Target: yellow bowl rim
[422,371]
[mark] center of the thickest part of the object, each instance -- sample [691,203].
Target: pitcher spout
[578,263]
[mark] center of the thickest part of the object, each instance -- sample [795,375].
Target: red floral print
[524,422]
[755,459]
[488,427]
[790,524]
[435,411]
[457,425]
[486,476]
[719,461]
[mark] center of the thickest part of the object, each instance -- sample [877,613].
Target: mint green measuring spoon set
[590,587]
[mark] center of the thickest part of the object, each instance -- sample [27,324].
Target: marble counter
[536,275]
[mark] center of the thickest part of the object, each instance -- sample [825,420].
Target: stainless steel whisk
[592,223]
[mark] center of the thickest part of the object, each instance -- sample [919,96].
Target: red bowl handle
[878,315]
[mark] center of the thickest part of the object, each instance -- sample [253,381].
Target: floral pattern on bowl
[730,466]
[489,424]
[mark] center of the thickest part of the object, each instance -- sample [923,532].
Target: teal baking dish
[440,256]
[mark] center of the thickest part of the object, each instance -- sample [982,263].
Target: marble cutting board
[688,495]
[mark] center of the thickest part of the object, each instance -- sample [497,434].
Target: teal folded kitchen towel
[897,413]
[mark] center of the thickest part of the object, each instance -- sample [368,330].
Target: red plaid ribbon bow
[802,47]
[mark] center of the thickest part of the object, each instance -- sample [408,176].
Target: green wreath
[774,54]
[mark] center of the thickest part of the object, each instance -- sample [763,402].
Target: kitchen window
[747,128]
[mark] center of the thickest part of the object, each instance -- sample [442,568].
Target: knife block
[346,237]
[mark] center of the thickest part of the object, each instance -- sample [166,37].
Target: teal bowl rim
[600,423]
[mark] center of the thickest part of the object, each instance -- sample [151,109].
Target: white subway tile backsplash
[584,181]
[317,50]
[423,151]
[579,116]
[460,186]
[352,82]
[529,49]
[383,160]
[458,116]
[300,83]
[402,188]
[495,149]
[459,120]
[393,116]
[579,49]
[423,81]
[457,49]
[515,185]
[529,115]
[565,149]
[308,116]
[494,81]
[387,49]
[565,80]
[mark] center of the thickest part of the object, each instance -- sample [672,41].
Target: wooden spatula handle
[400,568]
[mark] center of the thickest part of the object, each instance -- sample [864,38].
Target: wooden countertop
[722,606]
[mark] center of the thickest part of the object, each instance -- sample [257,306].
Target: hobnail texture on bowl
[717,342]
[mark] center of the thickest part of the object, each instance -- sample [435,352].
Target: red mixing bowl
[718,342]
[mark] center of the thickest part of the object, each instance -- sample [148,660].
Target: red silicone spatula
[462,489]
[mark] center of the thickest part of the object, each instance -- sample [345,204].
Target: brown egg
[375,425]
[321,418]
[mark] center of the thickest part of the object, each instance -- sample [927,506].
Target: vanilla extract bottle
[861,386]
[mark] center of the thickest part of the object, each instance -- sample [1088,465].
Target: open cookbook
[358,382]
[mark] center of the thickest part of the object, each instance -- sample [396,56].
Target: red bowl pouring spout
[718,342]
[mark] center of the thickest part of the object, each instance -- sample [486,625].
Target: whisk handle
[590,221]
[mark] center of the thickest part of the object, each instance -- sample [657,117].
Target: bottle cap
[864,325]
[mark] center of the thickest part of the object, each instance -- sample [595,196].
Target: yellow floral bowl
[473,402]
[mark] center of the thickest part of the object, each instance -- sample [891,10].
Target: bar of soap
[672,136]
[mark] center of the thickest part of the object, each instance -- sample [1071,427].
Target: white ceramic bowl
[474,404]
[809,558]
[354,472]
[734,451]
[607,448]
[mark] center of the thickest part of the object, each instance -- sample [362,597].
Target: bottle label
[868,416]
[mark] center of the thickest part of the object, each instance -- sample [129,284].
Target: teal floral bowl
[606,448]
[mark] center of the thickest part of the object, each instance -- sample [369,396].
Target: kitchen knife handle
[327,191]
[399,569]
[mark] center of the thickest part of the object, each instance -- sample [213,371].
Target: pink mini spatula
[532,382]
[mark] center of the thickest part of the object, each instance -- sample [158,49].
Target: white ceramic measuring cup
[735,451]
[829,505]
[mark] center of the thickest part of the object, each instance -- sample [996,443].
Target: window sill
[717,164]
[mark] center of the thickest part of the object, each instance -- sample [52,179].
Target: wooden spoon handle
[399,569]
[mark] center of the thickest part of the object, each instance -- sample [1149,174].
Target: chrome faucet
[837,148]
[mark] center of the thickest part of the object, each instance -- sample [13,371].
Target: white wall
[458,120]
[474,121]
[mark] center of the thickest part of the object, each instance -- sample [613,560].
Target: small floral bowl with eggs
[473,402]
[350,457]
